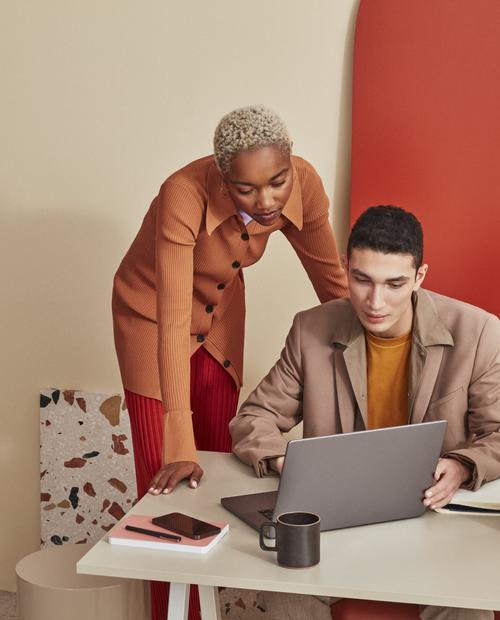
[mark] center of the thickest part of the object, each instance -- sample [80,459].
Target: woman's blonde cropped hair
[248,129]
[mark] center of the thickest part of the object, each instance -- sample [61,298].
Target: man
[392,354]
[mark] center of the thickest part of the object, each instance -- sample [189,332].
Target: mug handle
[263,545]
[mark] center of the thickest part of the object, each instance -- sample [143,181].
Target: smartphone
[186,525]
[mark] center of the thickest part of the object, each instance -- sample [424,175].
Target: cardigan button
[221,286]
[236,264]
[200,338]
[226,363]
[209,308]
[245,236]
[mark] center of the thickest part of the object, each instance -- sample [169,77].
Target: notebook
[485,501]
[120,536]
[352,478]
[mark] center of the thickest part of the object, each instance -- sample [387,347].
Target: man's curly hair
[390,230]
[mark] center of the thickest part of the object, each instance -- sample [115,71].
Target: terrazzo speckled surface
[87,483]
[87,480]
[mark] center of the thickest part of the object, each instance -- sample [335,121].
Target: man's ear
[345,262]
[421,272]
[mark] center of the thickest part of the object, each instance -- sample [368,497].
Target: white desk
[437,559]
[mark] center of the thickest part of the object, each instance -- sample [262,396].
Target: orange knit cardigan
[180,285]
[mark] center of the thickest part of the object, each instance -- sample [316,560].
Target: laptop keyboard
[267,513]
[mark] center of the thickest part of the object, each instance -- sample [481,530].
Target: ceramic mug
[297,539]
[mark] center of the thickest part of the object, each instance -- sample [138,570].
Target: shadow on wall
[342,189]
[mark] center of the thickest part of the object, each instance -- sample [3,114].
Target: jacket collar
[220,207]
[428,329]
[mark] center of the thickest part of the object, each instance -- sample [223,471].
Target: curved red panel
[426,132]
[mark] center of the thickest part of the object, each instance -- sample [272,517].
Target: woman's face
[260,183]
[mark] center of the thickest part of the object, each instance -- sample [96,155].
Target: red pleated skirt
[214,399]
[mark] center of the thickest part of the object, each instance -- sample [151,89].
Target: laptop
[352,478]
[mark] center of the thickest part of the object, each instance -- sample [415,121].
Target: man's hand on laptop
[168,477]
[450,474]
[276,464]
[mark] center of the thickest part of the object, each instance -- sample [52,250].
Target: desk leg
[178,601]
[209,602]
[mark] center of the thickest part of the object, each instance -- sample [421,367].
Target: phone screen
[186,526]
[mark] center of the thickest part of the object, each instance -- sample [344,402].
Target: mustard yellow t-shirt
[387,368]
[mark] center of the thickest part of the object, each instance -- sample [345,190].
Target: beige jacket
[320,378]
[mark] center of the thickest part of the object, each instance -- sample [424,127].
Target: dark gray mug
[297,539]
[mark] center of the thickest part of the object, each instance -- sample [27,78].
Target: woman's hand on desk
[169,476]
[450,474]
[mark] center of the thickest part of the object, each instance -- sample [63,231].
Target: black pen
[141,530]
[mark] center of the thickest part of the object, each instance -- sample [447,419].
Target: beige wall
[100,102]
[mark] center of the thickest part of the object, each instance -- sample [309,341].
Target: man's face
[381,286]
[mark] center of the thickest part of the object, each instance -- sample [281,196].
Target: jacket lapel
[350,369]
[430,337]
[421,390]
[355,361]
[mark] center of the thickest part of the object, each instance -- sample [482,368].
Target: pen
[141,530]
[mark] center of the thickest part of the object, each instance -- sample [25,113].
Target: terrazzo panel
[87,479]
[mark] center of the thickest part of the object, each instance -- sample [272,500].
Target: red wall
[426,132]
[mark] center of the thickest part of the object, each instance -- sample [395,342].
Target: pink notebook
[120,536]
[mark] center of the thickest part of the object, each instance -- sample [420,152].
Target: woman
[178,296]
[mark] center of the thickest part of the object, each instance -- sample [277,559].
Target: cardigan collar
[220,207]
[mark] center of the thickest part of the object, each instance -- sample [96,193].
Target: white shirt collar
[245,217]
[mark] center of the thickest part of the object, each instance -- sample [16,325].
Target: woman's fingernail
[194,484]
